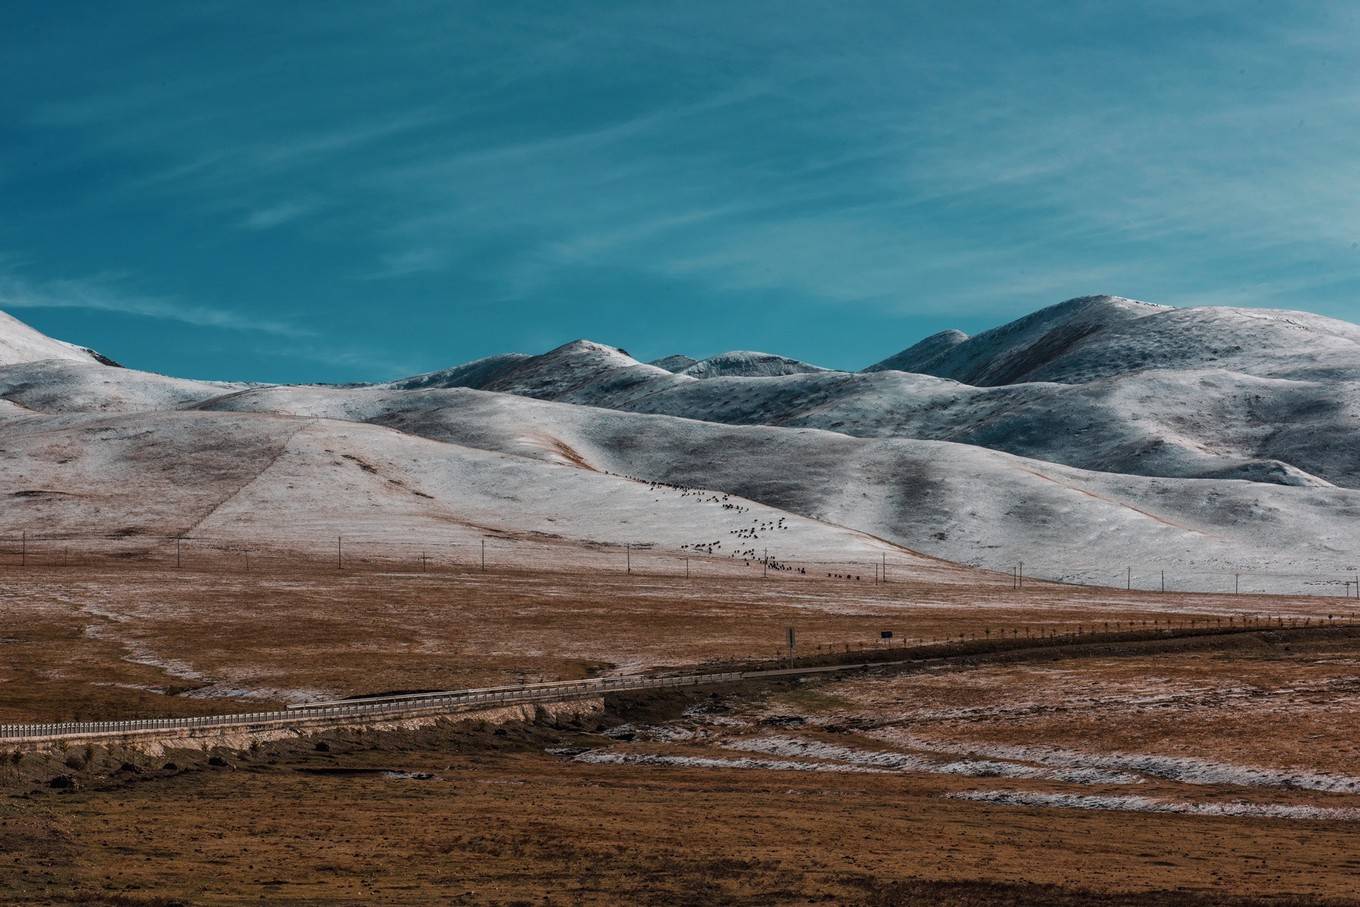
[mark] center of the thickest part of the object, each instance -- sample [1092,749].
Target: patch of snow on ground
[1148,804]
[904,762]
[1185,769]
[605,757]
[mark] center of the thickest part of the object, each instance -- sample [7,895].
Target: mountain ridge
[1171,439]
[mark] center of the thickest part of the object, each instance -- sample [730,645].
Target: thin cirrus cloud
[271,216]
[506,171]
[1114,179]
[102,294]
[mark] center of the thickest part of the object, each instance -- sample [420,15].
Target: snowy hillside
[65,385]
[298,483]
[1132,453]
[579,367]
[478,373]
[21,343]
[922,356]
[677,362]
[1014,352]
[1280,409]
[1259,342]
[747,364]
[954,501]
[1098,337]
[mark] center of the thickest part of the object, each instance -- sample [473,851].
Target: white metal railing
[395,706]
[406,704]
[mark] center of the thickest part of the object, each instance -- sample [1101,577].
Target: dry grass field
[139,639]
[1217,773]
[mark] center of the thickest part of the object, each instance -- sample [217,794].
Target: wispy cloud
[103,294]
[902,159]
[1112,179]
[276,215]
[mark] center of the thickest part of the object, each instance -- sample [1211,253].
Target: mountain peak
[676,362]
[593,349]
[919,356]
[749,364]
[1021,349]
[20,343]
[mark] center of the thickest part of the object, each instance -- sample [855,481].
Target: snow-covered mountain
[735,364]
[21,343]
[677,362]
[1110,384]
[75,386]
[1097,337]
[955,501]
[747,364]
[1200,440]
[920,356]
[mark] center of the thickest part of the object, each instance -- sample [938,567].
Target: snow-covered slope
[1188,424]
[748,364]
[272,482]
[677,362]
[922,356]
[1014,352]
[65,385]
[1126,387]
[478,373]
[954,501]
[1263,343]
[1099,337]
[21,343]
[580,368]
[1131,452]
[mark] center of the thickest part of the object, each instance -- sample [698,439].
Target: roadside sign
[886,634]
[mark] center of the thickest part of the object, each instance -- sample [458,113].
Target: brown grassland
[468,813]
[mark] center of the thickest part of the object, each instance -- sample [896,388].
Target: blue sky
[355,191]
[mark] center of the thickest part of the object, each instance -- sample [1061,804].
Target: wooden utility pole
[1020,575]
[628,556]
[1128,583]
[339,554]
[1163,580]
[885,568]
[1237,583]
[686,568]
[178,561]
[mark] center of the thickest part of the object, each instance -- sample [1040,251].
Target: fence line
[399,706]
[373,551]
[339,711]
